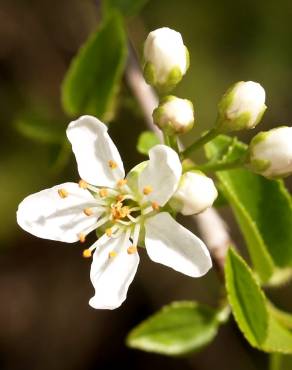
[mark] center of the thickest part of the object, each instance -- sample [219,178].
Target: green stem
[209,166]
[201,141]
[275,361]
[166,139]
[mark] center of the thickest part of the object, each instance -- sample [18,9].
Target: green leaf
[177,329]
[127,7]
[38,126]
[257,203]
[251,310]
[92,81]
[246,299]
[146,141]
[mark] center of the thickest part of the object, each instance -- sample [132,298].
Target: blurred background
[45,320]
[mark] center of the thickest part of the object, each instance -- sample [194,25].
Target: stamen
[109,232]
[120,198]
[132,250]
[88,211]
[147,190]
[136,234]
[112,164]
[112,254]
[83,184]
[103,193]
[63,193]
[121,183]
[155,206]
[147,210]
[81,237]
[86,253]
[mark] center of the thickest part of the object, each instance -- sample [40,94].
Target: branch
[210,224]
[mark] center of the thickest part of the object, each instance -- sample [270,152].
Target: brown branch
[210,224]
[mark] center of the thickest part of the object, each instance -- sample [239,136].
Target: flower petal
[169,243]
[94,151]
[111,276]
[161,175]
[46,215]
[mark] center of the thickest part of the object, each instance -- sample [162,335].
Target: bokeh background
[45,321]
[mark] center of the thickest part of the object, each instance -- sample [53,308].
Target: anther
[103,193]
[83,184]
[147,190]
[120,198]
[88,211]
[132,249]
[112,164]
[121,182]
[86,253]
[112,254]
[81,237]
[109,232]
[155,206]
[63,193]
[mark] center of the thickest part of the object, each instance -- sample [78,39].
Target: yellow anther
[112,164]
[86,253]
[81,237]
[109,232]
[121,182]
[155,206]
[120,198]
[103,193]
[88,211]
[112,254]
[132,250]
[147,190]
[83,184]
[63,193]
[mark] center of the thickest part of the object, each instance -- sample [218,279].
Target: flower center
[117,211]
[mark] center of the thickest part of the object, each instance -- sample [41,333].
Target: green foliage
[127,7]
[92,81]
[146,141]
[251,310]
[38,126]
[177,329]
[257,203]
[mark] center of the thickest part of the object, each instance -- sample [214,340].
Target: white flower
[242,107]
[196,192]
[174,115]
[126,213]
[166,57]
[270,152]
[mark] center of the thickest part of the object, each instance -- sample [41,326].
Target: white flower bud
[166,58]
[196,192]
[270,153]
[241,107]
[174,115]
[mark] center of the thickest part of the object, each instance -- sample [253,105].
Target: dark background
[45,320]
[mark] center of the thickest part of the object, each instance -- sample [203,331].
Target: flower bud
[270,153]
[166,58]
[241,107]
[174,115]
[196,192]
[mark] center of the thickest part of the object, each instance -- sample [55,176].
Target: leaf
[92,81]
[246,299]
[38,126]
[146,141]
[177,329]
[127,7]
[257,203]
[251,310]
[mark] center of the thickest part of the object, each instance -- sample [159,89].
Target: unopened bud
[166,58]
[270,153]
[196,192]
[174,115]
[241,107]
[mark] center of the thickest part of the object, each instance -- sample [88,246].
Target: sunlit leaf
[146,141]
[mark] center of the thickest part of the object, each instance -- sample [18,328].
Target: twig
[210,224]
